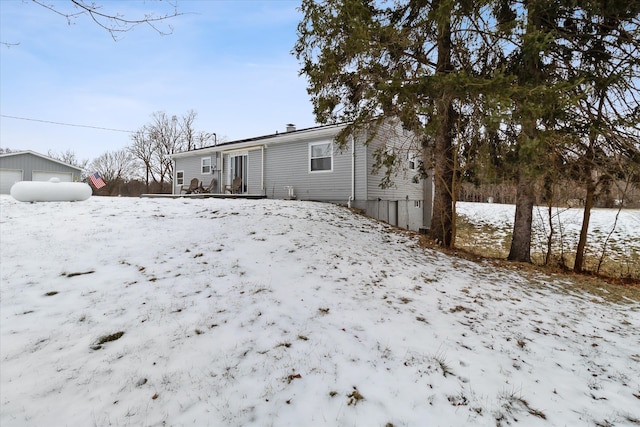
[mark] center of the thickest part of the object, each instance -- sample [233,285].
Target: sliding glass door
[238,169]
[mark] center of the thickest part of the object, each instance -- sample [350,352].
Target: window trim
[179,179]
[311,158]
[203,166]
[412,159]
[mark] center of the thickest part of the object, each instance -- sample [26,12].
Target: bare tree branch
[115,23]
[9,45]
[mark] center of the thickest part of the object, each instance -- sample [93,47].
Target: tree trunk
[547,258]
[147,179]
[521,239]
[578,265]
[442,221]
[528,151]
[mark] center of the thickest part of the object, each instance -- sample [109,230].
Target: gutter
[302,135]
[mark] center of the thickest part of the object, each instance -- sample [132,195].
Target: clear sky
[229,60]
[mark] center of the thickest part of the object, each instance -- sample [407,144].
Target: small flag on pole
[97,181]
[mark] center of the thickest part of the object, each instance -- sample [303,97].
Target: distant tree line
[144,166]
[531,93]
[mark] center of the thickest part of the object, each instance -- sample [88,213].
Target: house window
[321,157]
[179,177]
[413,161]
[206,165]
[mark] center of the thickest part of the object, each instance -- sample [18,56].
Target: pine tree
[417,60]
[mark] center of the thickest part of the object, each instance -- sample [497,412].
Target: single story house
[32,166]
[306,164]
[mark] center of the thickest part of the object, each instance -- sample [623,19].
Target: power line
[65,124]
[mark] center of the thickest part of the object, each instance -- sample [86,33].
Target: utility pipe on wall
[353,171]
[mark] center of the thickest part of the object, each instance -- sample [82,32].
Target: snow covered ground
[127,311]
[617,231]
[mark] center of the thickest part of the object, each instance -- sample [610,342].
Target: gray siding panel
[28,162]
[254,172]
[288,165]
[403,187]
[192,168]
[361,171]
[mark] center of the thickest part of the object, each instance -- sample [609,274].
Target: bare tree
[193,139]
[115,167]
[114,22]
[142,149]
[205,139]
[68,157]
[165,135]
[167,139]
[186,127]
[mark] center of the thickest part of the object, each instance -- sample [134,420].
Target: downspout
[262,173]
[353,172]
[175,177]
[407,209]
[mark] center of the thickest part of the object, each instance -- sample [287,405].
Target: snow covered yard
[617,232]
[120,311]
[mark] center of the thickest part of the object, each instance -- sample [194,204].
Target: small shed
[32,166]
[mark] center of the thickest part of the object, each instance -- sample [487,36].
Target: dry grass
[490,242]
[614,290]
[476,244]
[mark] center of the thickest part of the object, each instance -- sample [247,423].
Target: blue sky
[230,61]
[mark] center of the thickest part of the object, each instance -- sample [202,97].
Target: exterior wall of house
[287,165]
[275,166]
[361,169]
[402,204]
[31,166]
[403,186]
[254,169]
[192,168]
[401,213]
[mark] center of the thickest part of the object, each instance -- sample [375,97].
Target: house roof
[17,153]
[265,140]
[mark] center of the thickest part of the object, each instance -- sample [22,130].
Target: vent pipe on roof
[291,127]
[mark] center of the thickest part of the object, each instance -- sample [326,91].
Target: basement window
[321,157]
